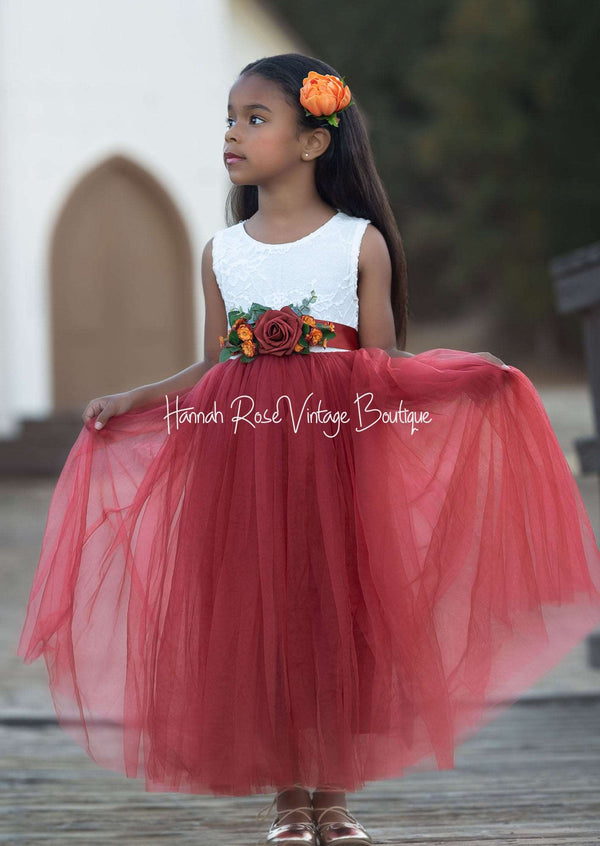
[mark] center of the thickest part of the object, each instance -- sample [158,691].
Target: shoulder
[225,236]
[207,267]
[213,251]
[208,250]
[374,254]
[208,273]
[213,244]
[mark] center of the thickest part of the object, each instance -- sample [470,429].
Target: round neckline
[288,243]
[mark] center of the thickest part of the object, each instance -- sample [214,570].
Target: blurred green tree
[484,119]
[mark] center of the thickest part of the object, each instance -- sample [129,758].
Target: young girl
[311,559]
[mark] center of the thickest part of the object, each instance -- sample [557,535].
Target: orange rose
[244,333]
[323,95]
[314,336]
[308,319]
[248,349]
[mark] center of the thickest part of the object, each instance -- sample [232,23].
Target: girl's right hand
[106,407]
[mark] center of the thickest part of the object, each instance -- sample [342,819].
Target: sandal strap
[281,815]
[322,811]
[266,811]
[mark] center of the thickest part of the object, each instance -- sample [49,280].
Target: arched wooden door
[121,286]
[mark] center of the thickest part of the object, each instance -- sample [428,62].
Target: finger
[101,420]
[90,411]
[104,415]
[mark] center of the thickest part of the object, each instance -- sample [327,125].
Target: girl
[311,559]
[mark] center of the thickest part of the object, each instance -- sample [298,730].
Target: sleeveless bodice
[276,275]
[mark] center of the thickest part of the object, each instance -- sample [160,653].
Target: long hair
[345,174]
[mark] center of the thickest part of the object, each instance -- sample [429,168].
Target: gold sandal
[292,832]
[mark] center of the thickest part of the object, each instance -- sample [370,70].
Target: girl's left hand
[494,359]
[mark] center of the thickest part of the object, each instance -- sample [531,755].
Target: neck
[283,207]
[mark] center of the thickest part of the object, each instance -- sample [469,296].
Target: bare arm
[376,319]
[215,324]
[375,316]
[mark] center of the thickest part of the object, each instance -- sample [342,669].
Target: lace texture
[325,260]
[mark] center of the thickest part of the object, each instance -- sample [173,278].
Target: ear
[317,142]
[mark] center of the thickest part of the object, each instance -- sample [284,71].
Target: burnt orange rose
[248,349]
[244,332]
[314,336]
[324,94]
[278,331]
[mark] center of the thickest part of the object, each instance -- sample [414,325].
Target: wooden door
[121,286]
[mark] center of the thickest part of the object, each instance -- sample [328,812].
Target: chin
[240,181]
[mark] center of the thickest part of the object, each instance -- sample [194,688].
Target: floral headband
[324,95]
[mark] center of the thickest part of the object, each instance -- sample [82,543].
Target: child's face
[267,138]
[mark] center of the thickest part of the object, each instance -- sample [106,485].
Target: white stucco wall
[80,82]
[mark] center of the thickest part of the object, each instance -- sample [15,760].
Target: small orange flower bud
[248,349]
[244,333]
[308,319]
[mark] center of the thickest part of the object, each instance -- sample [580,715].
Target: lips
[233,157]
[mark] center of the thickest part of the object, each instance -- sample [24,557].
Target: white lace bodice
[276,275]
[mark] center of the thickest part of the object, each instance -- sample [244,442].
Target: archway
[121,285]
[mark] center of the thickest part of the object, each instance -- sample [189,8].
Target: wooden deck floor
[531,777]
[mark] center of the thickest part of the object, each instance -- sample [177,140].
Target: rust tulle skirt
[226,606]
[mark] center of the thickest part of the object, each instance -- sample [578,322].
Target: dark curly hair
[345,174]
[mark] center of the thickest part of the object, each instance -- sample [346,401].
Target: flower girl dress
[318,568]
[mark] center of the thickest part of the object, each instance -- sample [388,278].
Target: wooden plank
[530,777]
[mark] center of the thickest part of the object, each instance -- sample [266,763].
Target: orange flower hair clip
[324,95]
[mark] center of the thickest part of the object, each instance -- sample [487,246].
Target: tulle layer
[232,604]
